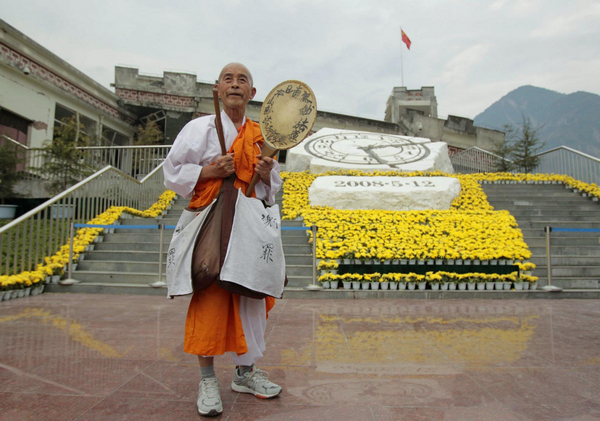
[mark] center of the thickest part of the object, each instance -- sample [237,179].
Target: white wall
[22,97]
[36,101]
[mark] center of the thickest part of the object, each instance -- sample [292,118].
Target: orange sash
[213,325]
[244,160]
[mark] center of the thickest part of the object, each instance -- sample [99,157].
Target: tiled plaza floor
[120,357]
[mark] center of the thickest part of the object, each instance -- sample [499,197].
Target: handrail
[62,195]
[154,171]
[42,231]
[477,148]
[10,139]
[135,160]
[475,159]
[125,147]
[560,160]
[575,151]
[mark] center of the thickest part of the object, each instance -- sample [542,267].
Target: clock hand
[370,151]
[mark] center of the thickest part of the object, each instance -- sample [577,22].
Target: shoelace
[259,376]
[210,387]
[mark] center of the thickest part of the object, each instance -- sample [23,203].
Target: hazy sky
[472,51]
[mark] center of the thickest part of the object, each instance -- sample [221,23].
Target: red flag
[405,39]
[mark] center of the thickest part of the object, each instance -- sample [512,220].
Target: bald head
[235,89]
[236,68]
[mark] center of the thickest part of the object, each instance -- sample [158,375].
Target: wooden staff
[266,151]
[219,122]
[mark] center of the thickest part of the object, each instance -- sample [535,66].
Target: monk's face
[235,86]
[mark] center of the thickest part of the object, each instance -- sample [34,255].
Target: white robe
[196,146]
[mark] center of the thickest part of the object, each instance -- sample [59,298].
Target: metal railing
[136,161]
[474,160]
[568,161]
[42,231]
[561,160]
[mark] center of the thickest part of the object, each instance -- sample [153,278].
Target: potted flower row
[428,261]
[22,285]
[328,267]
[431,280]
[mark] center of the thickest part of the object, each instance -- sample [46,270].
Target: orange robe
[213,325]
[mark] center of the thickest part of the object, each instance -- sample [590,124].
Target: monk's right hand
[224,166]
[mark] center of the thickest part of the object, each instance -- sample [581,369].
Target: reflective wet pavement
[117,357]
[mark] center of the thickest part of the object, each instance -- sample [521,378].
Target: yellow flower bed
[54,264]
[431,277]
[591,189]
[471,229]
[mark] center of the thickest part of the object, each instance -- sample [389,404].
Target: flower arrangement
[372,277]
[432,278]
[327,265]
[471,230]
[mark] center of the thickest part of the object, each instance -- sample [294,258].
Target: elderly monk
[217,320]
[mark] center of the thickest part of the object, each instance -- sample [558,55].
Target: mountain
[571,120]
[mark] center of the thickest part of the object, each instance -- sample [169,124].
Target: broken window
[111,137]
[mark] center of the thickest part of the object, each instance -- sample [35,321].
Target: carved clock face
[366,149]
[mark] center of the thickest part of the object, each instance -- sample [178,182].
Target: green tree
[149,134]
[63,162]
[9,176]
[503,149]
[527,145]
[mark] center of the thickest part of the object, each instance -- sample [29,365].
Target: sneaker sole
[211,413]
[244,389]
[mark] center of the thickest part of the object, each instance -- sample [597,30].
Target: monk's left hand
[263,168]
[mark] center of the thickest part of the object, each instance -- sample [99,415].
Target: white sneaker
[255,382]
[209,398]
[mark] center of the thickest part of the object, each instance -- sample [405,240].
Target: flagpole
[401,63]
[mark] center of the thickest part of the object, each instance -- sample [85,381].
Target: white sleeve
[182,165]
[267,193]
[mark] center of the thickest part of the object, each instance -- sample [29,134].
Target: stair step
[570,282]
[556,250]
[113,277]
[119,255]
[550,207]
[588,241]
[529,232]
[564,214]
[298,259]
[558,224]
[297,248]
[299,281]
[129,246]
[561,260]
[584,271]
[125,266]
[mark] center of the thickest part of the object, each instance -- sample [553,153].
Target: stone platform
[386,193]
[335,149]
[115,357]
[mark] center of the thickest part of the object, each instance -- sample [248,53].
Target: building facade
[38,90]
[415,112]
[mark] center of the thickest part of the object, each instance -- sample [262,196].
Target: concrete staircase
[575,255]
[127,260]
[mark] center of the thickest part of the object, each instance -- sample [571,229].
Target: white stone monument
[386,193]
[334,149]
